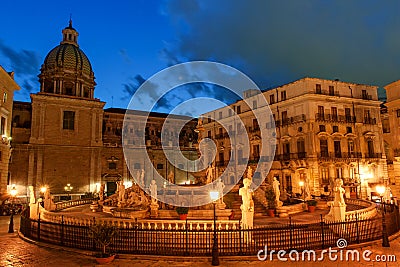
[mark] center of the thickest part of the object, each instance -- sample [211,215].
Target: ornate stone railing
[369,210]
[85,220]
[73,203]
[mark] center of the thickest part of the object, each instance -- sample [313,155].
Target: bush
[182,210]
[271,197]
[311,202]
[103,234]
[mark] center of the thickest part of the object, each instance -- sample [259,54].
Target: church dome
[70,57]
[66,69]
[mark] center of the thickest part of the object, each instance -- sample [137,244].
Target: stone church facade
[64,136]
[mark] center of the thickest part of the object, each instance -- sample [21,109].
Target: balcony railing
[339,155]
[334,118]
[290,120]
[368,120]
[373,155]
[324,92]
[289,156]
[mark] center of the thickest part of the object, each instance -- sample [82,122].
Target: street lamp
[13,193]
[68,188]
[214,195]
[385,240]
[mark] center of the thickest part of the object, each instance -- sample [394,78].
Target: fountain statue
[247,206]
[337,206]
[277,191]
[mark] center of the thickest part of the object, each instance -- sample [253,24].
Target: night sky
[273,42]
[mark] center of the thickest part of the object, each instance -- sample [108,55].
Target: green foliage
[271,197]
[182,210]
[228,200]
[103,234]
[311,202]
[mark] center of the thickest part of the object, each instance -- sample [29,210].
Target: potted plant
[183,212]
[271,199]
[312,204]
[103,234]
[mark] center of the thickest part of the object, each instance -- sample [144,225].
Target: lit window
[398,113]
[5,97]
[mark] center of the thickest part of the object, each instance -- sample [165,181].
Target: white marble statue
[337,210]
[121,192]
[277,191]
[247,206]
[220,188]
[338,192]
[171,177]
[307,192]
[32,198]
[210,174]
[153,191]
[101,192]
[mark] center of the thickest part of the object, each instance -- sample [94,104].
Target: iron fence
[198,242]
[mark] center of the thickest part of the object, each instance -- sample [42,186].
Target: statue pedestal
[337,211]
[154,210]
[221,206]
[247,223]
[247,219]
[49,205]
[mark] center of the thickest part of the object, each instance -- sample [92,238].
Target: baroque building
[7,88]
[391,132]
[324,130]
[65,137]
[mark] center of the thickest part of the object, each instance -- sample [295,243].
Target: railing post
[187,238]
[62,229]
[290,233]
[240,238]
[358,235]
[38,229]
[322,223]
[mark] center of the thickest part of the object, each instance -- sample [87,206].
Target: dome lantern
[70,35]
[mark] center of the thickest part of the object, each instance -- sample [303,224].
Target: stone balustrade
[362,214]
[72,203]
[83,220]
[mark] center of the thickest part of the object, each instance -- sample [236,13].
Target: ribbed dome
[68,56]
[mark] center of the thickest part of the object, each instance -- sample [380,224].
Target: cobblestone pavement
[14,251]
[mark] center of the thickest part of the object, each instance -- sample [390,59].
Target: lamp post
[385,240]
[214,195]
[68,188]
[13,193]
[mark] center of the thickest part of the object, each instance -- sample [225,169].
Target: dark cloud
[25,64]
[132,85]
[275,42]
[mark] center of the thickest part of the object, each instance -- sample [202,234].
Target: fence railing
[73,203]
[180,239]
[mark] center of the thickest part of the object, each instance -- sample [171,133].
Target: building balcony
[324,92]
[334,118]
[373,155]
[289,156]
[290,120]
[254,129]
[339,155]
[221,136]
[368,120]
